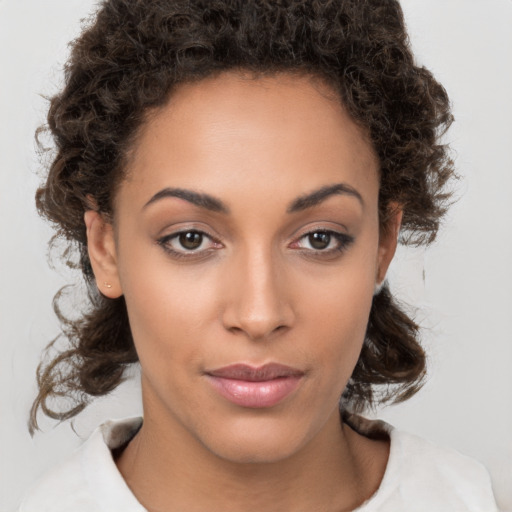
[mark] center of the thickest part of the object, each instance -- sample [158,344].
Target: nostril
[257,333]
[257,305]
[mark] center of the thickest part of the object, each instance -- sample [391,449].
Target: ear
[388,240]
[102,253]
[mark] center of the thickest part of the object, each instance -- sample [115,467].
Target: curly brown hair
[128,61]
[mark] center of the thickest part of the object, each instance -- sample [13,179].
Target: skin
[256,291]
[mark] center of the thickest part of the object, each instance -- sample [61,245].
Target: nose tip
[258,305]
[257,325]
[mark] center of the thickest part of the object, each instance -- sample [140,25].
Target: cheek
[342,318]
[336,311]
[169,321]
[167,311]
[168,306]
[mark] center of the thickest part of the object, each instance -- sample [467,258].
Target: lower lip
[255,394]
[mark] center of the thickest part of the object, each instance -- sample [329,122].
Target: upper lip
[249,373]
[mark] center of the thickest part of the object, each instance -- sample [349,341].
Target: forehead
[234,131]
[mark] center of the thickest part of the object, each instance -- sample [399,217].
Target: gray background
[462,285]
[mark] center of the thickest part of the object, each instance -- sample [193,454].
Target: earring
[107,285]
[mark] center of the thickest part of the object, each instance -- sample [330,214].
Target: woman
[235,176]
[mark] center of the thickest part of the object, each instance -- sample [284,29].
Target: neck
[168,469]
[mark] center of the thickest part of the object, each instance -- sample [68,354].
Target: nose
[257,299]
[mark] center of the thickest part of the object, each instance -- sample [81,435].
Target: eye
[190,240]
[188,243]
[323,241]
[319,240]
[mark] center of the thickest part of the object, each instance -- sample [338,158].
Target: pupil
[191,239]
[319,240]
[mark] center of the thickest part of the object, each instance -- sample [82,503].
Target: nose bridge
[258,305]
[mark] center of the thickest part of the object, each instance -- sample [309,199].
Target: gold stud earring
[107,285]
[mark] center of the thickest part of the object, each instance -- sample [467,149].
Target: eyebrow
[213,204]
[205,201]
[318,196]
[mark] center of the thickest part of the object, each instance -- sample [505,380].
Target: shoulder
[421,477]
[62,488]
[441,475]
[89,480]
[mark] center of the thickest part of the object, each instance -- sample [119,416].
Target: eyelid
[344,240]
[164,243]
[333,232]
[320,227]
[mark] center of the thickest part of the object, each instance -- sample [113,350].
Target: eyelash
[165,241]
[343,240]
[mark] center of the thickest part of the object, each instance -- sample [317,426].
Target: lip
[255,387]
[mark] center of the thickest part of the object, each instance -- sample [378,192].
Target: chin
[257,442]
[254,452]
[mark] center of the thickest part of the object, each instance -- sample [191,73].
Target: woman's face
[246,244]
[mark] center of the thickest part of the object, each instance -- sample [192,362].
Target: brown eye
[323,243]
[190,240]
[319,240]
[192,244]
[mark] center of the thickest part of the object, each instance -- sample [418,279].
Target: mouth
[255,387]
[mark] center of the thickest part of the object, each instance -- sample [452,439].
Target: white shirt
[419,477]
